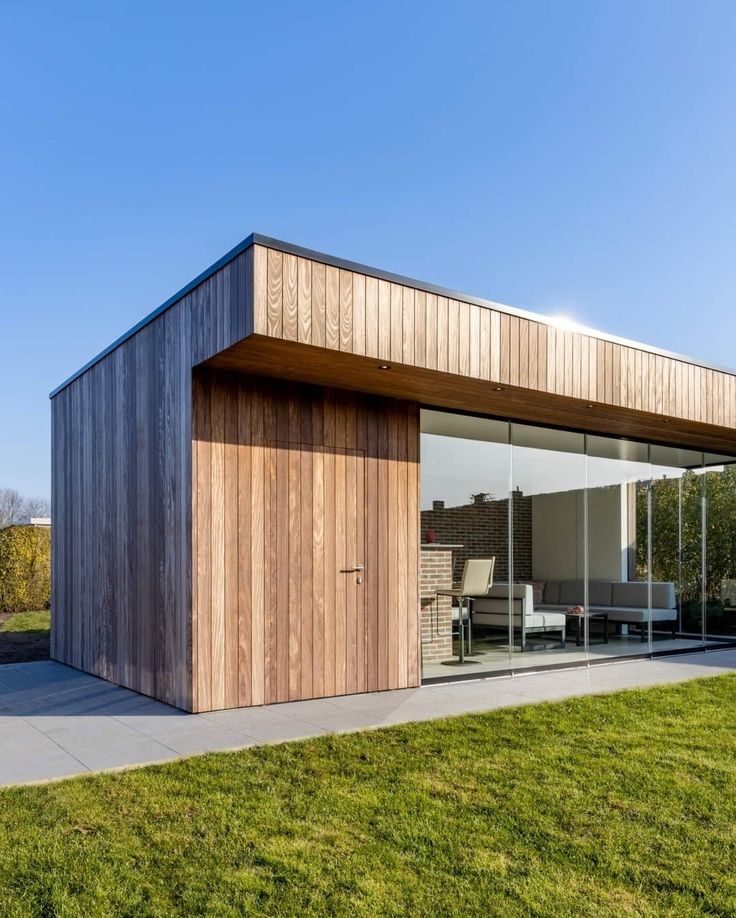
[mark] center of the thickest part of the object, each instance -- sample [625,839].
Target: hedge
[25,568]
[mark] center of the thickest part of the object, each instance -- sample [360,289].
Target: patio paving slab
[56,722]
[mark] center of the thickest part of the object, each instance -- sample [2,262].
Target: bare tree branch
[36,506]
[11,506]
[14,507]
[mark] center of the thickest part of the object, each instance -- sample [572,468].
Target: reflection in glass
[677,533]
[549,474]
[465,468]
[618,549]
[719,600]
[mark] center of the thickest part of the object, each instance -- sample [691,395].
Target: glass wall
[618,610]
[719,563]
[673,510]
[549,482]
[465,508]
[600,547]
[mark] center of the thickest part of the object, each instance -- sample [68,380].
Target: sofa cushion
[559,594]
[501,591]
[599,592]
[641,616]
[498,606]
[538,590]
[663,596]
[531,620]
[633,594]
[497,599]
[552,592]
[572,592]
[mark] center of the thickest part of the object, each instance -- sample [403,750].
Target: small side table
[580,633]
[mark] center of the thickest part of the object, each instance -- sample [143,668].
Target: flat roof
[289,248]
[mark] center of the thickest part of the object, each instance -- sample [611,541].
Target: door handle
[353,570]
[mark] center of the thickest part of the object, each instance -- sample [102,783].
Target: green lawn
[614,805]
[27,621]
[24,637]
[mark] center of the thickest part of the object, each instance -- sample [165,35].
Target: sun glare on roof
[566,322]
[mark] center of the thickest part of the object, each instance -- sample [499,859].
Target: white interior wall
[557,521]
[557,535]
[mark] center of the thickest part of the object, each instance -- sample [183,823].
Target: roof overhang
[261,355]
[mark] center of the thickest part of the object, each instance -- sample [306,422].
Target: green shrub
[25,568]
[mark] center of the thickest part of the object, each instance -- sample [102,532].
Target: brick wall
[481,527]
[436,617]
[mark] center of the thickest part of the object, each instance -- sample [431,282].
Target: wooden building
[236,479]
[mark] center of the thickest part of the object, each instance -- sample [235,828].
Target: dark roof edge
[289,248]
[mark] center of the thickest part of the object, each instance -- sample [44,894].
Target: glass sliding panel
[719,601]
[465,484]
[548,578]
[618,547]
[601,547]
[676,499]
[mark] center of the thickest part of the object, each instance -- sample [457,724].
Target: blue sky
[565,157]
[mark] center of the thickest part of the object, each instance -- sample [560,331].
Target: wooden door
[315,591]
[292,486]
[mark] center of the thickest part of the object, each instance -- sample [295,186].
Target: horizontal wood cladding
[293,485]
[301,300]
[121,494]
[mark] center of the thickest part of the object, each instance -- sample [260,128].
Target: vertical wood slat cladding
[325,479]
[121,495]
[392,322]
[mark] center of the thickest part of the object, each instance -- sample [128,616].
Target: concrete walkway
[56,722]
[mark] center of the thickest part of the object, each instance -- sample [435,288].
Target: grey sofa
[626,602]
[492,612]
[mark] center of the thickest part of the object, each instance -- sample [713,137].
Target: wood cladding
[206,516]
[300,299]
[121,495]
[293,487]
